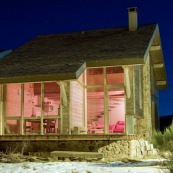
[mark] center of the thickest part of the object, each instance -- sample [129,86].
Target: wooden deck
[67,137]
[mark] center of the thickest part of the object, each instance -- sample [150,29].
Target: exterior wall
[128,149]
[1,109]
[138,91]
[76,105]
[155,101]
[144,125]
[134,104]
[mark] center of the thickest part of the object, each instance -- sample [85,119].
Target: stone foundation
[128,149]
[109,149]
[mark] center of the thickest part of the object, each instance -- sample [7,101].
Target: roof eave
[38,78]
[154,49]
[116,61]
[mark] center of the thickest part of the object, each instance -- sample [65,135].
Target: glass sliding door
[51,120]
[95,110]
[105,100]
[32,108]
[116,109]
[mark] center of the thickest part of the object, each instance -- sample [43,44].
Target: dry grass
[164,142]
[14,154]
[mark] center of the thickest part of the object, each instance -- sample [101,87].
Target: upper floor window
[114,75]
[95,76]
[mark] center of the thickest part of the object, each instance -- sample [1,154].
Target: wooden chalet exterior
[90,83]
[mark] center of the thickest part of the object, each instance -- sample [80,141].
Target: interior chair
[50,126]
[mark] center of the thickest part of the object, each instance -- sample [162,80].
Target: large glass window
[32,100]
[95,110]
[116,110]
[114,75]
[105,100]
[13,109]
[51,98]
[13,100]
[95,76]
[51,119]
[12,127]
[26,117]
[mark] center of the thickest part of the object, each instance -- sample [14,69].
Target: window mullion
[22,109]
[106,116]
[42,107]
[4,109]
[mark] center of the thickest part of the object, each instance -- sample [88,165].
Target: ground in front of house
[145,166]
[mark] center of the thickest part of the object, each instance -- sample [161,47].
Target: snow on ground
[83,167]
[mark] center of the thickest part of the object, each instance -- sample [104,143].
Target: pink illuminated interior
[32,108]
[27,104]
[114,98]
[13,100]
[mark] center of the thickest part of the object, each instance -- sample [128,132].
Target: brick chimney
[133,18]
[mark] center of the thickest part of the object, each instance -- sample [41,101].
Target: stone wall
[128,149]
[144,126]
[138,91]
[110,149]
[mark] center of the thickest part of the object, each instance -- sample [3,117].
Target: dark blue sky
[21,20]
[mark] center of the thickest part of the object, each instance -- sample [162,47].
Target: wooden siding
[76,105]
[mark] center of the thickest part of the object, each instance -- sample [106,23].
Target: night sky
[22,20]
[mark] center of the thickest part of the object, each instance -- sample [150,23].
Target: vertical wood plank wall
[76,105]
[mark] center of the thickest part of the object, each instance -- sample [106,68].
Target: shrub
[14,153]
[164,142]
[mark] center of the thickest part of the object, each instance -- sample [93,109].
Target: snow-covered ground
[147,166]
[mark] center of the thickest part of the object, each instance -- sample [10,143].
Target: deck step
[76,154]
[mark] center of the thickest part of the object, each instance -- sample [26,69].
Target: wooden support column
[65,116]
[127,81]
[64,96]
[4,109]
[106,112]
[1,109]
[85,100]
[42,108]
[22,110]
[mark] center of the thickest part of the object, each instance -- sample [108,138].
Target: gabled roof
[65,55]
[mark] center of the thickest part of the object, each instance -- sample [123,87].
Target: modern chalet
[96,82]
